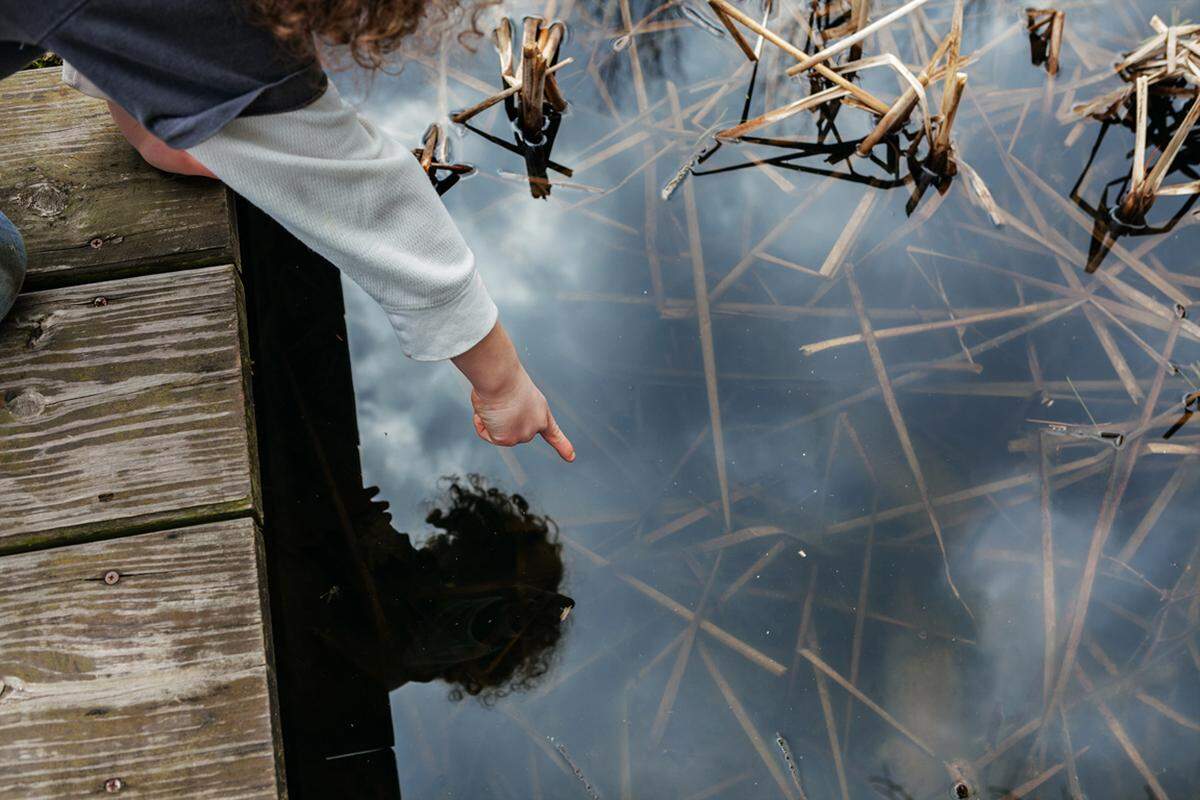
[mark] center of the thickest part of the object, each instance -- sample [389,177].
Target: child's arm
[362,201]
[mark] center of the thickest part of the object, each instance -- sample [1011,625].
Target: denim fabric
[12,264]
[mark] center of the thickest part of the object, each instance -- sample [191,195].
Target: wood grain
[124,408]
[160,680]
[88,206]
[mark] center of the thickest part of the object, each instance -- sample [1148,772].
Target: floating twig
[790,762]
[579,776]
[739,712]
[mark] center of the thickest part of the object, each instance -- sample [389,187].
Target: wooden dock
[135,646]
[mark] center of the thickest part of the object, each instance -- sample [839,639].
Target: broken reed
[892,116]
[531,80]
[1165,63]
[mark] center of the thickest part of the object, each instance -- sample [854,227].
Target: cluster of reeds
[1165,65]
[530,82]
[532,99]
[833,83]
[434,157]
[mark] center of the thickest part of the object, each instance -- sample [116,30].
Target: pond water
[751,530]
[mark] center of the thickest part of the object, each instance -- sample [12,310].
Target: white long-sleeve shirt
[361,200]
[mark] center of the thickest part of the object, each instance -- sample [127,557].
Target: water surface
[828,563]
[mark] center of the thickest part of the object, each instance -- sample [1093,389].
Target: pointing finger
[558,440]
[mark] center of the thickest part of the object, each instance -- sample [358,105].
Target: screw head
[100,302]
[114,785]
[96,243]
[111,577]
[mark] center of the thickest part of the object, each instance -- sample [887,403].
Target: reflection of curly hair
[492,545]
[371,30]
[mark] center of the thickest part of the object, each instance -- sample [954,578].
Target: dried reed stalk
[785,224]
[1115,357]
[739,712]
[1167,711]
[662,654]
[681,611]
[1140,197]
[758,566]
[781,113]
[860,619]
[1119,475]
[1052,21]
[692,517]
[742,535]
[1049,612]
[889,398]
[1118,732]
[866,98]
[819,664]
[433,135]
[468,113]
[635,63]
[850,232]
[704,318]
[902,109]
[940,150]
[720,788]
[1161,501]
[533,78]
[830,723]
[1054,48]
[928,327]
[542,742]
[815,60]
[661,717]
[802,630]
[1037,780]
[1137,265]
[742,44]
[502,40]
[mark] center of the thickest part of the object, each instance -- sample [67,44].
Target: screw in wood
[96,243]
[111,577]
[100,302]
[114,785]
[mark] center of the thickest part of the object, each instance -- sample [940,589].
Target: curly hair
[370,30]
[491,544]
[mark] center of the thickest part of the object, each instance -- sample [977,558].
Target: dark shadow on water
[356,609]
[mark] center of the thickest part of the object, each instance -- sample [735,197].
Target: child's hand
[509,409]
[517,416]
[153,150]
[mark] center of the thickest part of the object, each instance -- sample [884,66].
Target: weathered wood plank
[88,206]
[123,407]
[160,680]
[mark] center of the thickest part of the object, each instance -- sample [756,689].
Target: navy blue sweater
[182,68]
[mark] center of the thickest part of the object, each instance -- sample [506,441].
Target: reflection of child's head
[495,573]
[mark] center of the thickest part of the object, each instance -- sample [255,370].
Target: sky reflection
[572,276]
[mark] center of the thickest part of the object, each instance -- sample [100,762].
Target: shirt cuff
[449,330]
